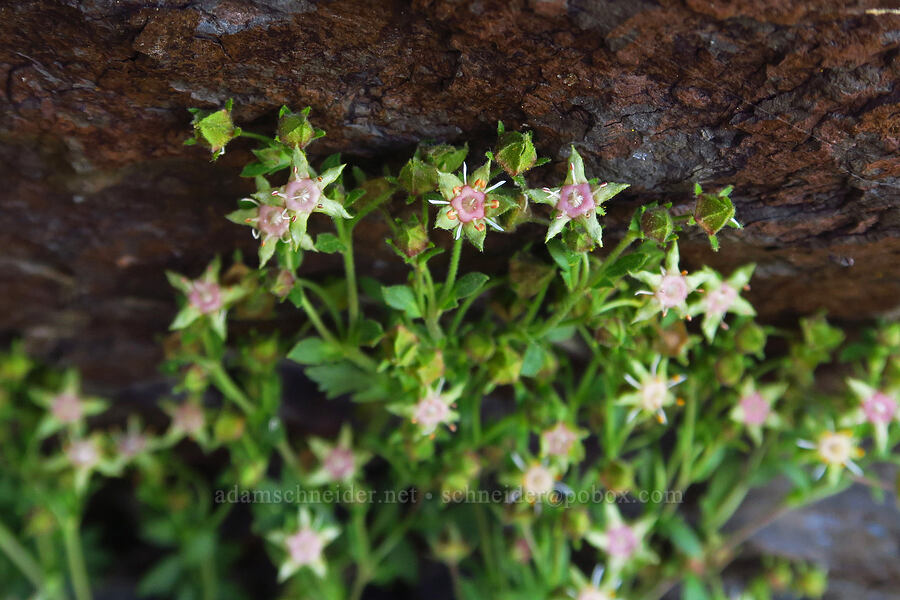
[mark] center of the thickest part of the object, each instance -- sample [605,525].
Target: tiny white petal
[493,224]
[494,187]
[518,461]
[634,383]
[438,202]
[806,444]
[854,468]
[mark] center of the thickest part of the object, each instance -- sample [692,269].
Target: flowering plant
[554,427]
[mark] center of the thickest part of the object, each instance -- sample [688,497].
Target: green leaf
[313,351]
[161,579]
[370,332]
[626,264]
[339,378]
[533,360]
[329,243]
[694,589]
[402,298]
[682,536]
[469,283]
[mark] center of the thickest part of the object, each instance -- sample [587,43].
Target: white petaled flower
[577,200]
[469,205]
[836,450]
[669,289]
[651,387]
[754,407]
[622,542]
[721,297]
[877,407]
[536,482]
[304,546]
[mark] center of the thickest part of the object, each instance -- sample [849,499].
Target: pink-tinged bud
[879,408]
[284,283]
[340,463]
[83,453]
[302,195]
[468,204]
[719,300]
[575,200]
[558,441]
[305,547]
[272,221]
[755,408]
[622,542]
[205,296]
[66,408]
[188,418]
[672,291]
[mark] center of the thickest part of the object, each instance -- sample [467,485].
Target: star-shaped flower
[721,297]
[836,451]
[669,289]
[304,546]
[622,542]
[577,200]
[66,407]
[281,214]
[206,298]
[469,204]
[562,443]
[651,393]
[339,463]
[433,409]
[754,407]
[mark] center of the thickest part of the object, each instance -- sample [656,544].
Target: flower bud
[479,347]
[813,583]
[750,339]
[214,129]
[617,476]
[412,237]
[515,152]
[730,369]
[444,157]
[657,224]
[713,211]
[418,177]
[229,427]
[294,128]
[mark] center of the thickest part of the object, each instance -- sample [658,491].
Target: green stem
[208,575]
[313,317]
[452,270]
[346,236]
[75,556]
[19,556]
[326,299]
[226,385]
[256,136]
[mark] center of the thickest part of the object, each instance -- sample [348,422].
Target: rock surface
[795,103]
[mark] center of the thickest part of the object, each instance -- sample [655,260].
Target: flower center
[575,200]
[537,481]
[835,448]
[879,408]
[305,546]
[720,300]
[66,408]
[340,463]
[672,291]
[188,418]
[653,394]
[431,411]
[302,195]
[272,221]
[469,204]
[756,409]
[622,541]
[205,296]
[132,444]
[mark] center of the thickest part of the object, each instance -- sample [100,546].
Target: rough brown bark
[793,102]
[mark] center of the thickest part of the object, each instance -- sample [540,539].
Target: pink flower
[621,542]
[558,440]
[131,444]
[430,412]
[205,296]
[305,547]
[879,408]
[720,299]
[67,408]
[83,453]
[301,195]
[340,463]
[468,204]
[576,200]
[672,291]
[188,417]
[272,221]
[755,409]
